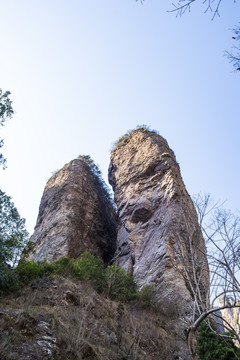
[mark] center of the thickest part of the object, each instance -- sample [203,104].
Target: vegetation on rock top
[98,178]
[126,135]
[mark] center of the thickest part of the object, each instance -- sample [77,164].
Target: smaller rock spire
[74,215]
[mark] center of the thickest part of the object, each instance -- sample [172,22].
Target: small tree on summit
[97,176]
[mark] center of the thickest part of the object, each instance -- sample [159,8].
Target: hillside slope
[58,318]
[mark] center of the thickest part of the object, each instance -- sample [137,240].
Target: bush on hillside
[64,267]
[113,281]
[27,271]
[89,268]
[118,284]
[7,278]
[215,347]
[145,298]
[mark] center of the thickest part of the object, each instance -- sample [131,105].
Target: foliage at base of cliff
[77,309]
[214,347]
[113,282]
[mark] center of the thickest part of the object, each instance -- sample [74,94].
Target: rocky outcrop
[75,214]
[159,238]
[230,315]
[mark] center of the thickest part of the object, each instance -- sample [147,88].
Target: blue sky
[83,72]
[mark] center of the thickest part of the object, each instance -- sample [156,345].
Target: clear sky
[83,72]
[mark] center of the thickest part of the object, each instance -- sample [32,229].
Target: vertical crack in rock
[74,215]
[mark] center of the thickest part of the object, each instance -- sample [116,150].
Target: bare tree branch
[182,6]
[221,231]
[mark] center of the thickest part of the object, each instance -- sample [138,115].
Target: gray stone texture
[159,238]
[74,215]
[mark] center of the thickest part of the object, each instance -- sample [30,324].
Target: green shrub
[121,139]
[214,347]
[13,235]
[28,248]
[118,284]
[64,267]
[27,271]
[88,267]
[113,281]
[145,298]
[126,135]
[7,278]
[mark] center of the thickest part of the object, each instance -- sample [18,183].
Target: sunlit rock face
[159,238]
[231,315]
[74,215]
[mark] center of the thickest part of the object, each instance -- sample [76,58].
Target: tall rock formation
[159,238]
[75,214]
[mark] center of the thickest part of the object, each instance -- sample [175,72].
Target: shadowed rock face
[74,215]
[159,238]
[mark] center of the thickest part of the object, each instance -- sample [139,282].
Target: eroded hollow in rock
[141,215]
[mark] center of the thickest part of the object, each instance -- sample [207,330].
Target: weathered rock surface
[159,238]
[74,215]
[231,315]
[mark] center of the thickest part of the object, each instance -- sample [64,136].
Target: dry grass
[62,319]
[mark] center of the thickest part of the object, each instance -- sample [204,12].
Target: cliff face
[159,238]
[74,215]
[231,315]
